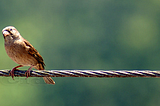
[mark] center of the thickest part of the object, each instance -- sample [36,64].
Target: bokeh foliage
[85,34]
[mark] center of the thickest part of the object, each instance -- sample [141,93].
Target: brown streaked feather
[33,52]
[39,66]
[48,80]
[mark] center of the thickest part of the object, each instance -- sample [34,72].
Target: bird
[22,52]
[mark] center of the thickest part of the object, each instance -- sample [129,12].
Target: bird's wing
[33,52]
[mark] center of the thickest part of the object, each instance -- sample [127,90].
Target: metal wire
[84,73]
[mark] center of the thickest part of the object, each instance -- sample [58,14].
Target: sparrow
[22,52]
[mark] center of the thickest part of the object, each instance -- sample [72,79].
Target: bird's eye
[10,29]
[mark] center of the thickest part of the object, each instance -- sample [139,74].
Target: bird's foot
[12,71]
[27,73]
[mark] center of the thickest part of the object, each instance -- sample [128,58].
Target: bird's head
[10,33]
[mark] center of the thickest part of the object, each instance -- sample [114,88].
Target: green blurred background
[85,34]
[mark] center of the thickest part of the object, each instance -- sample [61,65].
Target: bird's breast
[17,51]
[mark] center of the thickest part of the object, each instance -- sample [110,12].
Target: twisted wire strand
[84,73]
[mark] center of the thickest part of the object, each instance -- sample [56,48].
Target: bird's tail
[47,80]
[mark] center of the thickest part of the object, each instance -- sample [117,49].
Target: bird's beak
[5,33]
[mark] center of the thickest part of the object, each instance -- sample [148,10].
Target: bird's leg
[27,73]
[12,71]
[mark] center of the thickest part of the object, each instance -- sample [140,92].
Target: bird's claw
[12,71]
[12,74]
[27,73]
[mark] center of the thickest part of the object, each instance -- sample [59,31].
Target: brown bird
[22,52]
